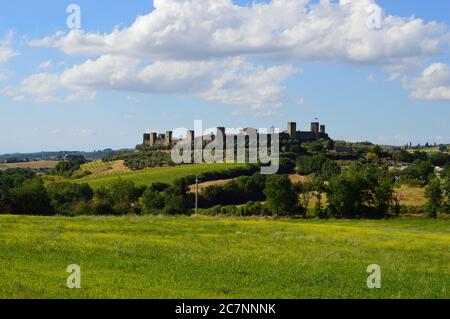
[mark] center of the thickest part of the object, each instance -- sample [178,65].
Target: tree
[346,195]
[31,198]
[64,197]
[179,205]
[361,191]
[439,159]
[179,187]
[443,148]
[447,194]
[281,196]
[446,171]
[287,166]
[434,195]
[121,195]
[152,201]
[319,189]
[330,169]
[67,168]
[403,156]
[420,171]
[307,165]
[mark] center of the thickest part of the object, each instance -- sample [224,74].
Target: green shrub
[435,196]
[281,196]
[31,197]
[152,201]
[178,205]
[361,191]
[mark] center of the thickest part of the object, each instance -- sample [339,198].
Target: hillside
[150,176]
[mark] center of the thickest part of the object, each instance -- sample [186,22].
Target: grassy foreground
[162,257]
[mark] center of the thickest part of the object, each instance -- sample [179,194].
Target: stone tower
[315,128]
[323,129]
[146,139]
[292,129]
[153,138]
[221,131]
[169,137]
[190,136]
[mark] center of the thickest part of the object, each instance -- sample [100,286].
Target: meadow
[30,165]
[150,176]
[197,257]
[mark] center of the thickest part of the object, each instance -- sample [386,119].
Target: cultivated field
[31,165]
[162,257]
[156,175]
[411,196]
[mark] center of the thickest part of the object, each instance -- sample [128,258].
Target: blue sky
[358,97]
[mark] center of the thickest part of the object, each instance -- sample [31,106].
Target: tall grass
[161,257]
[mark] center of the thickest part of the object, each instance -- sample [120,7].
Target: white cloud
[6,54]
[230,81]
[300,101]
[45,87]
[280,29]
[268,113]
[85,132]
[209,48]
[433,84]
[45,65]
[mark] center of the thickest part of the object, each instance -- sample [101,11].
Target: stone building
[317,132]
[153,138]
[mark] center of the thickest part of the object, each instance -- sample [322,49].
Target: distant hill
[53,156]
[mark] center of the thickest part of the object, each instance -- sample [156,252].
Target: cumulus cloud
[45,65]
[230,54]
[433,84]
[6,54]
[280,29]
[230,81]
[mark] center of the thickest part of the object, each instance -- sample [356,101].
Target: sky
[370,70]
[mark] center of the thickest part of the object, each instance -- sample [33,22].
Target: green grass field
[157,175]
[162,257]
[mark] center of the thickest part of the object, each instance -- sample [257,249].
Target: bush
[254,209]
[420,171]
[102,208]
[152,201]
[307,165]
[249,209]
[361,191]
[434,195]
[83,208]
[67,168]
[447,195]
[31,198]
[439,159]
[330,169]
[179,205]
[287,166]
[236,192]
[446,171]
[318,164]
[121,196]
[65,196]
[281,196]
